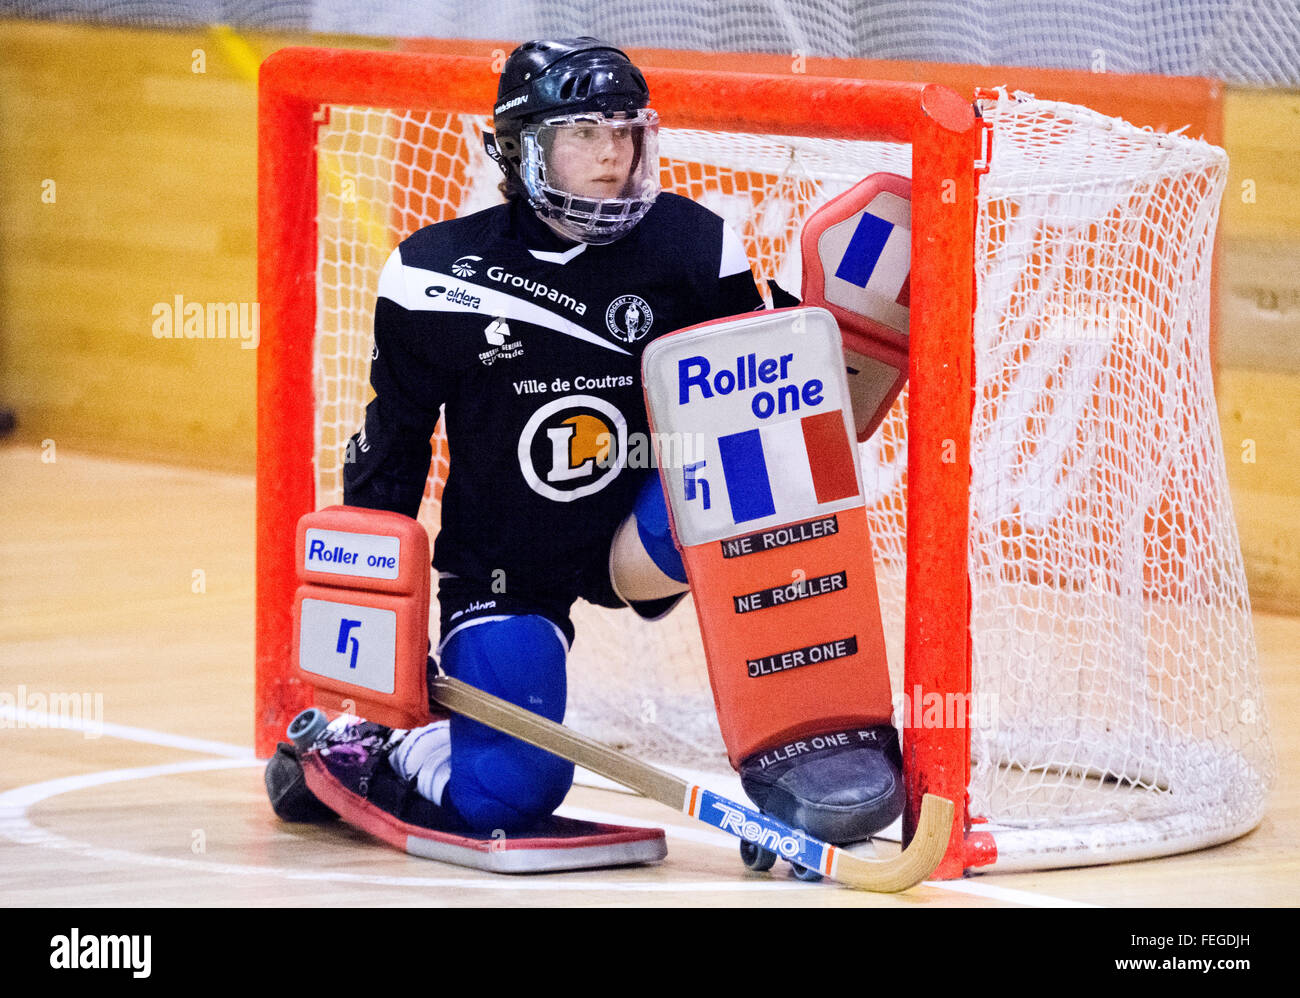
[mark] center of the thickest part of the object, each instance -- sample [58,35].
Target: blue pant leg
[499,782]
[655,533]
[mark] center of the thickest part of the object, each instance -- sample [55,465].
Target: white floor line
[20,717]
[14,823]
[16,826]
[981,887]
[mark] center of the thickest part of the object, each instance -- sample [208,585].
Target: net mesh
[1256,42]
[1111,629]
[1113,655]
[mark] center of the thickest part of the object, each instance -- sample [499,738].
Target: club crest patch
[629,318]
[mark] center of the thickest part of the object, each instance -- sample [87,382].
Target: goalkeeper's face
[593,156]
[591,160]
[592,177]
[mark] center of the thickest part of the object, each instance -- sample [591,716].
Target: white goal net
[1115,700]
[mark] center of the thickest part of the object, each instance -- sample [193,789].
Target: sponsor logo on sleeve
[464,266]
[454,296]
[500,346]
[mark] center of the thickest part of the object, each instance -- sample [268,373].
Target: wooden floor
[128,595]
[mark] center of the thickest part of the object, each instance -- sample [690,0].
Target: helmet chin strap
[494,151]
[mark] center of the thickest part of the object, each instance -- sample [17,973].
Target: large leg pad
[775,540]
[772,525]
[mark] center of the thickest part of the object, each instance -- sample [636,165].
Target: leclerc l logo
[573,447]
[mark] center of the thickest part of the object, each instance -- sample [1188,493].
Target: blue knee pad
[498,781]
[652,527]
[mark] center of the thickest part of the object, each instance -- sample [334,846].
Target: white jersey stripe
[560,258]
[390,279]
[734,259]
[411,290]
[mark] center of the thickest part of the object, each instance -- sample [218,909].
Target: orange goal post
[1061,582]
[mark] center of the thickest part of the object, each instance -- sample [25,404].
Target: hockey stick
[908,869]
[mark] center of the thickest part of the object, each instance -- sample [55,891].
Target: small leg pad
[349,775]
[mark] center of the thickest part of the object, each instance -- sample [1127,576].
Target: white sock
[424,755]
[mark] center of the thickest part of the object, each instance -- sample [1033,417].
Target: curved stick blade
[920,859]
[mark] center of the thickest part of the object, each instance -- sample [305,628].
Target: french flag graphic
[789,468]
[879,257]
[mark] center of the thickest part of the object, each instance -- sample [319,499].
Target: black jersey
[531,346]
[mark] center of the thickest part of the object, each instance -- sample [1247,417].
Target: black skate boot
[840,787]
[353,757]
[291,798]
[348,766]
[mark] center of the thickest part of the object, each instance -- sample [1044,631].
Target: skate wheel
[304,728]
[804,873]
[755,857]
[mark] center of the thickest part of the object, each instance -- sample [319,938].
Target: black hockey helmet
[574,91]
[562,76]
